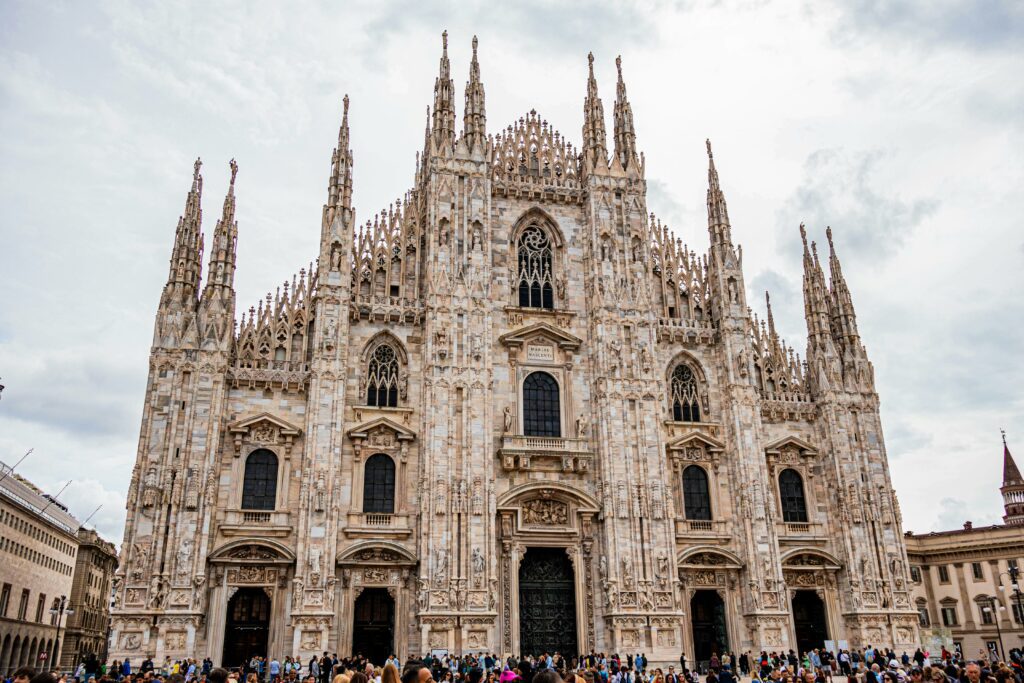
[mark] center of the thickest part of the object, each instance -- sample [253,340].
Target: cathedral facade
[512,413]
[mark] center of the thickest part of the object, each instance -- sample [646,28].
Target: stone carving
[263,432]
[310,641]
[198,593]
[152,488]
[184,558]
[478,568]
[545,512]
[192,491]
[252,552]
[477,504]
[131,641]
[175,640]
[581,426]
[251,574]
[440,566]
[627,571]
[661,570]
[507,420]
[441,500]
[375,576]
[157,593]
[320,496]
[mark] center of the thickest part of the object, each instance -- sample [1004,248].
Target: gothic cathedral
[511,413]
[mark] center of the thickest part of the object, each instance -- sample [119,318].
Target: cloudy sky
[900,124]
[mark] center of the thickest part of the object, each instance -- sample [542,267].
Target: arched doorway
[710,633]
[248,626]
[547,603]
[373,630]
[809,620]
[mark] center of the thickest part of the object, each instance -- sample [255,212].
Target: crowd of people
[869,665]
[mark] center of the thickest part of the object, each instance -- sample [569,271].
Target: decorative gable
[789,450]
[264,429]
[540,343]
[381,434]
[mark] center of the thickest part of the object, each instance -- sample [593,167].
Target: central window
[535,280]
[379,484]
[259,486]
[542,415]
[791,491]
[696,498]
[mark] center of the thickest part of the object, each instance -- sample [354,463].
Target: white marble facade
[421,307]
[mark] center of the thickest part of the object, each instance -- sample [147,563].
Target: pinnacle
[234,172]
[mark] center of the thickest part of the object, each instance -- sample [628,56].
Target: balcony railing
[265,522]
[700,527]
[798,527]
[256,517]
[520,452]
[378,524]
[376,519]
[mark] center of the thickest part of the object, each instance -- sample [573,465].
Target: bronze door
[247,628]
[547,603]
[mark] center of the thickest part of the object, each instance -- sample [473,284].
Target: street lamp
[994,609]
[1013,573]
[59,611]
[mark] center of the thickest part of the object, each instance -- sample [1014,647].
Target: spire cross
[1003,432]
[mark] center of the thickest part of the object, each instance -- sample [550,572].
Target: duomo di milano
[510,413]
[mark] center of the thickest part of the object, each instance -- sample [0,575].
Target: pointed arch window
[791,492]
[696,497]
[535,280]
[259,487]
[382,378]
[542,415]
[379,484]
[684,395]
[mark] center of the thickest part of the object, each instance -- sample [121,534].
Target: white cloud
[896,123]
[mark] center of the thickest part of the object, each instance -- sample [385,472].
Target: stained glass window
[535,278]
[685,400]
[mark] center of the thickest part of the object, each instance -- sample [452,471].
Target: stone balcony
[804,532]
[267,523]
[701,529]
[545,453]
[377,525]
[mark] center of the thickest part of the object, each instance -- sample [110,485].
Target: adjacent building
[88,627]
[967,582]
[512,412]
[38,554]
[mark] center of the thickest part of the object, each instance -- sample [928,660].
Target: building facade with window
[512,412]
[968,584]
[38,550]
[88,627]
